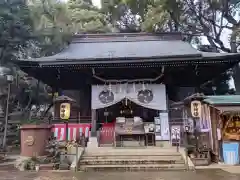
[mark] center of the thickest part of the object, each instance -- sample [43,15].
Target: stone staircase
[109,159]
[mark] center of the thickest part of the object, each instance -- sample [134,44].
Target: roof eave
[45,62]
[223,104]
[165,60]
[210,55]
[124,60]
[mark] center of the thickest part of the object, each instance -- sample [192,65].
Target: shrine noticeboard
[175,134]
[162,127]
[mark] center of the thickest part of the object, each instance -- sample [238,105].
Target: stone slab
[76,158]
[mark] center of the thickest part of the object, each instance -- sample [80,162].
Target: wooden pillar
[94,123]
[214,120]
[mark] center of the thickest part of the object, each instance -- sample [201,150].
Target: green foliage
[15,29]
[219,85]
[55,22]
[196,18]
[85,18]
[51,25]
[122,14]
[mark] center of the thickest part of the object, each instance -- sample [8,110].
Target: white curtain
[130,91]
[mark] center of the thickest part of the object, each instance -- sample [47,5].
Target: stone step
[138,167]
[128,161]
[145,149]
[130,157]
[119,149]
[7,167]
[105,150]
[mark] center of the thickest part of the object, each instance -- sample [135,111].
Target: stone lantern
[6,78]
[4,73]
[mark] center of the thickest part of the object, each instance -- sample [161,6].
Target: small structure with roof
[225,121]
[217,127]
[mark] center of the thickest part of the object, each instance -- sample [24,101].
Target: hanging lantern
[65,111]
[196,109]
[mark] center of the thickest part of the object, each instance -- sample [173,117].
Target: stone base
[133,143]
[45,167]
[64,166]
[165,144]
[92,143]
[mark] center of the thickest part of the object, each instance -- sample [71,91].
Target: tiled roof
[121,48]
[131,49]
[223,100]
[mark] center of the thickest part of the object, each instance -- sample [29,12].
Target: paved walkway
[227,168]
[164,175]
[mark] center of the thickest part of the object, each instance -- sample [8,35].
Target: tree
[52,25]
[27,31]
[15,29]
[16,35]
[197,18]
[125,15]
[219,85]
[85,18]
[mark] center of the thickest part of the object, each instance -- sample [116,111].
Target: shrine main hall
[128,80]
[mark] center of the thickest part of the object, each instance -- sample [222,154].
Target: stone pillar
[94,123]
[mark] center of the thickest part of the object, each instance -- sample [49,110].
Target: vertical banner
[165,133]
[205,121]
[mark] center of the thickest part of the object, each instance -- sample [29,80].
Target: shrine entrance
[126,114]
[107,118]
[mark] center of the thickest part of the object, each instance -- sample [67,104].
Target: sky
[97,3]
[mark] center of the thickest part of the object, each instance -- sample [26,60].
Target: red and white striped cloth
[74,131]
